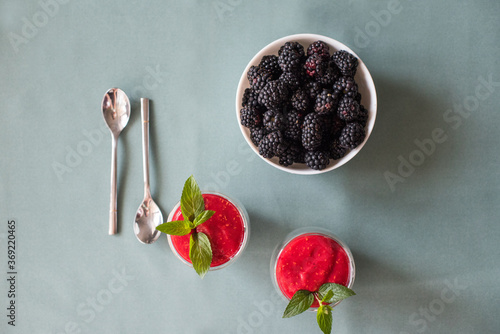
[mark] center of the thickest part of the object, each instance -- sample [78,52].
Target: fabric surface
[418,206]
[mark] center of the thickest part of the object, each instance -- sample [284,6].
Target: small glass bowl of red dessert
[308,258]
[228,230]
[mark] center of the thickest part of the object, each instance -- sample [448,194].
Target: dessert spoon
[148,214]
[116,112]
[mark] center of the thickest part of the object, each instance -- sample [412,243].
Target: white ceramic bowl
[363,78]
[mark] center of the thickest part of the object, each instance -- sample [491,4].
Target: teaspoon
[148,215]
[116,112]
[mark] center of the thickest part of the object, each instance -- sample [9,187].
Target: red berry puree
[308,261]
[225,229]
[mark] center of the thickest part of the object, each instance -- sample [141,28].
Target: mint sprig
[299,303]
[324,318]
[339,291]
[327,294]
[194,213]
[192,203]
[202,217]
[200,252]
[178,227]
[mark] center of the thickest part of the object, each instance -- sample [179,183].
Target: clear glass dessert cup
[303,232]
[246,231]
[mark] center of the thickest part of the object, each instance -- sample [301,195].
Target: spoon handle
[112,203]
[145,142]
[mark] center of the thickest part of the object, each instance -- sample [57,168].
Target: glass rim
[246,231]
[309,231]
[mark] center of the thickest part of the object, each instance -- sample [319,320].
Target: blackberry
[348,109]
[270,64]
[272,144]
[315,65]
[357,98]
[337,127]
[290,56]
[293,46]
[292,80]
[335,150]
[313,88]
[363,115]
[346,62]
[352,135]
[347,86]
[312,131]
[300,100]
[293,126]
[257,134]
[252,73]
[290,155]
[319,48]
[326,101]
[327,119]
[273,120]
[250,117]
[328,76]
[259,79]
[250,98]
[273,95]
[317,160]
[301,156]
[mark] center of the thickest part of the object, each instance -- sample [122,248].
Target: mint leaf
[324,318]
[327,297]
[340,292]
[200,252]
[177,227]
[192,203]
[203,217]
[300,302]
[193,210]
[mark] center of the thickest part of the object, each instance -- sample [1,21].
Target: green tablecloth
[418,206]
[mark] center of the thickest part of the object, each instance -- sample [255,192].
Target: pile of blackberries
[303,106]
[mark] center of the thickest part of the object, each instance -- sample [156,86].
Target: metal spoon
[148,215]
[116,112]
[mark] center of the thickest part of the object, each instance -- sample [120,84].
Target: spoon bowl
[116,112]
[148,215]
